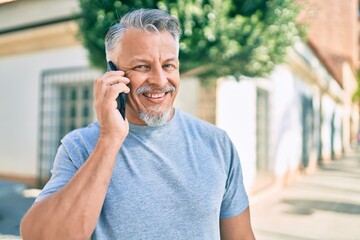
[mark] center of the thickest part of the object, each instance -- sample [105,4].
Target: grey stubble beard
[153,116]
[156,119]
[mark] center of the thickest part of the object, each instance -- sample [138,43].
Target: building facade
[300,116]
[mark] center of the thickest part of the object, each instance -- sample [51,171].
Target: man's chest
[151,185]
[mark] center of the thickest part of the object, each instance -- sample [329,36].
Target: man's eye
[142,68]
[169,66]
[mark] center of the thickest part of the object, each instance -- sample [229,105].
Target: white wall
[236,114]
[187,98]
[35,11]
[330,110]
[338,144]
[350,110]
[19,104]
[287,128]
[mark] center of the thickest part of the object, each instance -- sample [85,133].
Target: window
[66,103]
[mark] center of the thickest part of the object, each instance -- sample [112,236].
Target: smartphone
[121,99]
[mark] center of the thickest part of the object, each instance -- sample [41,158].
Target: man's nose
[158,76]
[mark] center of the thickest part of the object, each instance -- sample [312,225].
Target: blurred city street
[281,78]
[324,205]
[15,200]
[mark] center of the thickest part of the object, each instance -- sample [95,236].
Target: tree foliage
[229,37]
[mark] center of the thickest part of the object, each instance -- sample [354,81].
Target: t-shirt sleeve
[235,199]
[63,170]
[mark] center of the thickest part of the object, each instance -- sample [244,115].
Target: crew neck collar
[144,128]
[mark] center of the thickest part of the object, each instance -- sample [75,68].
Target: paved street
[324,205]
[13,205]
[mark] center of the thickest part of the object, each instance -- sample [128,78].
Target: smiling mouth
[155,95]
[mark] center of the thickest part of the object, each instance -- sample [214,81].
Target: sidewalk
[324,205]
[14,202]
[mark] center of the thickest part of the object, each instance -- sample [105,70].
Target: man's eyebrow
[143,60]
[137,59]
[171,59]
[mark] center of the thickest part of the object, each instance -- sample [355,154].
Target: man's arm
[237,228]
[73,212]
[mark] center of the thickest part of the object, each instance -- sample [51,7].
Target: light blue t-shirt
[175,181]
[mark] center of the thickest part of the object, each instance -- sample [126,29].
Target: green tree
[223,37]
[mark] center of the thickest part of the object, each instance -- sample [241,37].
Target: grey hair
[151,20]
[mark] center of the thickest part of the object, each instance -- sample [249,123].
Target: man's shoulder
[195,124]
[85,135]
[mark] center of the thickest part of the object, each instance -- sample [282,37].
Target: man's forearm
[72,213]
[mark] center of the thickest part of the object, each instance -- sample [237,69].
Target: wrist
[111,140]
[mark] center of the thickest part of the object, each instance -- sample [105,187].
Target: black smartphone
[121,99]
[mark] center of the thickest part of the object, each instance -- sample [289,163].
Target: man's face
[150,61]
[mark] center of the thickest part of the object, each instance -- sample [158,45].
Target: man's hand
[106,89]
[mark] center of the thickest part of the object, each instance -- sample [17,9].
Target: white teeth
[157,95]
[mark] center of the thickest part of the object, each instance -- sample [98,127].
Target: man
[160,173]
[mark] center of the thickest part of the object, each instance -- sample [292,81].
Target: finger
[113,79]
[109,74]
[117,72]
[102,84]
[114,91]
[109,102]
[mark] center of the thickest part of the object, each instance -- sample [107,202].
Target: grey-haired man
[160,173]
